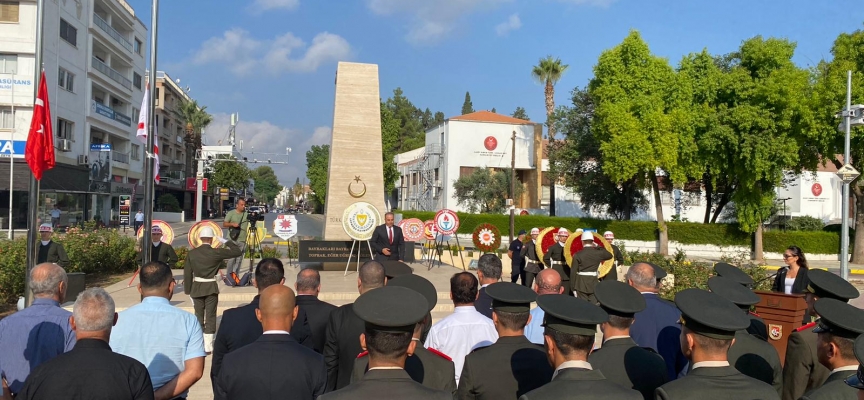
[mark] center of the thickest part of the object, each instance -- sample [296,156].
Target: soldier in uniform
[619,258]
[619,358]
[199,279]
[533,266]
[163,252]
[757,325]
[554,258]
[49,250]
[583,276]
[857,380]
[750,355]
[429,367]
[388,338]
[709,323]
[570,327]
[838,326]
[512,366]
[801,370]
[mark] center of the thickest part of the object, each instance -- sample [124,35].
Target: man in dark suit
[569,335]
[554,258]
[90,370]
[533,266]
[619,358]
[802,371]
[49,250]
[657,325]
[199,279]
[342,345]
[313,313]
[387,336]
[488,272]
[275,365]
[240,326]
[856,381]
[619,258]
[512,366]
[584,271]
[387,240]
[839,324]
[709,323]
[161,251]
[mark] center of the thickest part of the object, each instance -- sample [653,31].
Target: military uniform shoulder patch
[363,354]
[805,327]
[479,348]
[440,354]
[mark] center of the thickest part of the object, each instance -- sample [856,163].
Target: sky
[274,61]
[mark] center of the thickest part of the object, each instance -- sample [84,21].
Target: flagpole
[33,197]
[149,175]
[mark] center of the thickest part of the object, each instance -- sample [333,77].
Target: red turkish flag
[40,141]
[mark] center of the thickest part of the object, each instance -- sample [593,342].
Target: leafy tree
[411,133]
[467,106]
[485,190]
[167,202]
[520,113]
[227,172]
[427,120]
[297,190]
[439,118]
[196,119]
[493,110]
[389,136]
[317,166]
[266,183]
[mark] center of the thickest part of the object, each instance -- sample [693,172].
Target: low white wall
[712,251]
[169,216]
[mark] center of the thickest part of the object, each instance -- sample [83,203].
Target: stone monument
[356,169]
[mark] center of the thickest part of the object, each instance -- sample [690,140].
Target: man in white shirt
[466,329]
[548,282]
[55,217]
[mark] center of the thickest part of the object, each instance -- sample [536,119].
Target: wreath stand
[359,250]
[432,253]
[437,249]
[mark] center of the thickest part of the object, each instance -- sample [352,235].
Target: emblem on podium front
[360,219]
[775,331]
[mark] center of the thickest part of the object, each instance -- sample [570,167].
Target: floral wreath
[487,238]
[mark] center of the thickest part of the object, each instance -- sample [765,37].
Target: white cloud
[259,6]
[511,24]
[431,21]
[243,54]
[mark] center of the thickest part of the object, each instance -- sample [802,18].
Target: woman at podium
[792,279]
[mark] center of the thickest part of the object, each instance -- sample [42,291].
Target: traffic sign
[847,173]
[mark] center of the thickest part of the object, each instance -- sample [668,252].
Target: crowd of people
[287,343]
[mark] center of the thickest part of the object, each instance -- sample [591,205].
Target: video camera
[254,217]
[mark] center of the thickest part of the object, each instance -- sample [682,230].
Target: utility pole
[512,185]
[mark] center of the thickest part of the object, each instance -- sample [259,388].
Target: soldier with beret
[757,325]
[429,367]
[838,326]
[586,263]
[533,266]
[750,355]
[857,380]
[512,366]
[570,327]
[802,371]
[619,358]
[709,323]
[554,258]
[390,315]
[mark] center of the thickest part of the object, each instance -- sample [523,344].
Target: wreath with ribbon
[487,238]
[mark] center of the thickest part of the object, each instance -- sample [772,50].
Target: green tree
[411,133]
[167,202]
[548,72]
[266,183]
[467,105]
[439,118]
[389,137]
[485,190]
[493,110]
[297,191]
[317,166]
[195,118]
[427,120]
[227,172]
[520,113]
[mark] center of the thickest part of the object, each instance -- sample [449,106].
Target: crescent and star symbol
[354,194]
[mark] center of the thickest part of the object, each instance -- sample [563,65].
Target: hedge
[810,242]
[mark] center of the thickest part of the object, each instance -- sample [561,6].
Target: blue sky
[274,61]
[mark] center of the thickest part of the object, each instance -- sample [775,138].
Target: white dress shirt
[710,364]
[461,332]
[572,364]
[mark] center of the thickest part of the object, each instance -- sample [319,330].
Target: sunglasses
[785,256]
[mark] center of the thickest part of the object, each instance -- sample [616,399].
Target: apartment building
[176,157]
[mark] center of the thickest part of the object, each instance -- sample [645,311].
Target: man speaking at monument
[387,240]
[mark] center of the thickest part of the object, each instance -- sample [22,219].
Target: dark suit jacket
[312,318]
[802,371]
[583,384]
[719,383]
[203,262]
[507,369]
[164,252]
[483,304]
[757,359]
[834,388]
[657,327]
[272,367]
[387,384]
[89,371]
[798,287]
[342,345]
[53,253]
[239,327]
[623,362]
[431,369]
[380,241]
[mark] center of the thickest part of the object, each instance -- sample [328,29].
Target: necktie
[390,234]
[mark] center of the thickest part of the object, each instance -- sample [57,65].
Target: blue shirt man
[534,329]
[548,282]
[38,333]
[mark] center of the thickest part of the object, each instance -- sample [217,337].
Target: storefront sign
[125,206]
[330,251]
[100,187]
[15,148]
[122,188]
[191,184]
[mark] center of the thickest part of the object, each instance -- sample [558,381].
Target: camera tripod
[253,244]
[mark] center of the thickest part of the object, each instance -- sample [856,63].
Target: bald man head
[641,276]
[48,281]
[548,281]
[277,308]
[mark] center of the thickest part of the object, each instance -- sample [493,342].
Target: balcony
[110,113]
[111,73]
[111,32]
[120,157]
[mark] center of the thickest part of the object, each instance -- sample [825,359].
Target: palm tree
[548,71]
[197,118]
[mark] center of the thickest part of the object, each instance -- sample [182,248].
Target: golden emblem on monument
[354,194]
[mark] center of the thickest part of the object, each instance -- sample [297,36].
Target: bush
[12,269]
[805,223]
[270,252]
[182,252]
[809,242]
[167,202]
[696,233]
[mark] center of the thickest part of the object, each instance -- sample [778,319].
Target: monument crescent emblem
[354,194]
[360,219]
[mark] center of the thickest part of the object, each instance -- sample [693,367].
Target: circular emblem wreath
[487,238]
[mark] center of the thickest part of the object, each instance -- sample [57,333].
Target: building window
[6,120]
[9,11]
[156,93]
[137,46]
[66,80]
[465,171]
[65,129]
[135,112]
[68,32]
[136,80]
[136,152]
[8,63]
[165,125]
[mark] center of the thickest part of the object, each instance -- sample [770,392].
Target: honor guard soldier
[161,251]
[570,325]
[619,358]
[838,326]
[554,258]
[750,355]
[390,316]
[199,279]
[619,258]
[857,380]
[757,325]
[512,366]
[429,367]
[533,266]
[584,275]
[802,371]
[49,250]
[709,323]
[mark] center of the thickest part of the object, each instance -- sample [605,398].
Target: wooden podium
[782,314]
